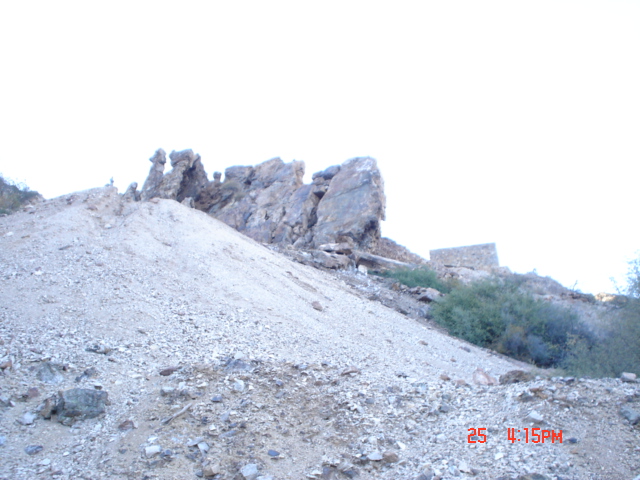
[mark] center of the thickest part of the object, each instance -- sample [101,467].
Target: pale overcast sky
[492,121]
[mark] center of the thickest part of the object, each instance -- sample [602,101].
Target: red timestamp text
[524,435]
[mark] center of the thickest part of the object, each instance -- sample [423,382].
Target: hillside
[276,369]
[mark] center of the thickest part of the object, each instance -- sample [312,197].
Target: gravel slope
[156,285]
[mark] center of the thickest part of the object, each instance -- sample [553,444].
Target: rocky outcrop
[270,203]
[155,175]
[185,179]
[353,205]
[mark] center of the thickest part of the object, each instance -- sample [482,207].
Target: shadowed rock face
[271,204]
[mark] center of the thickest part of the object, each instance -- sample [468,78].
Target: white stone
[375,456]
[628,377]
[250,471]
[152,450]
[27,419]
[535,417]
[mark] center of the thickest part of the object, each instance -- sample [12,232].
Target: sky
[514,122]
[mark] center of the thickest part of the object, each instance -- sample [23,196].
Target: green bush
[497,314]
[13,196]
[418,277]
[619,348]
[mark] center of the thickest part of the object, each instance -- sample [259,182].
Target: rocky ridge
[270,203]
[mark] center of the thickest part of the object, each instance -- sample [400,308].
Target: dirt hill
[224,359]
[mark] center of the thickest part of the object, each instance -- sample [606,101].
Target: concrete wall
[483,256]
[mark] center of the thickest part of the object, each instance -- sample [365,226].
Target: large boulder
[255,200]
[352,206]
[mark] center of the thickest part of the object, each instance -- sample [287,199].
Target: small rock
[216,398]
[49,373]
[238,386]
[481,377]
[445,377]
[102,349]
[27,419]
[80,404]
[152,450]
[211,470]
[630,414]
[350,370]
[429,295]
[238,364]
[273,453]
[464,467]
[203,447]
[390,457]
[195,441]
[375,456]
[33,449]
[628,377]
[88,373]
[127,425]
[166,390]
[250,471]
[316,305]
[168,371]
[426,475]
[535,417]
[515,376]
[33,392]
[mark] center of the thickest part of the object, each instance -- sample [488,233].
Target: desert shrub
[417,277]
[618,349]
[13,196]
[498,314]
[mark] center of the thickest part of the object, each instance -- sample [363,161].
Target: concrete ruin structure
[482,257]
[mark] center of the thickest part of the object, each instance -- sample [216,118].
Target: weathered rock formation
[186,178]
[270,203]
